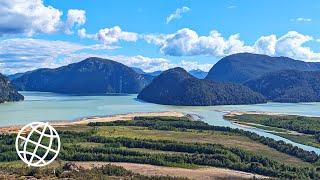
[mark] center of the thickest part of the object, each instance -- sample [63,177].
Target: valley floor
[165,145]
[195,173]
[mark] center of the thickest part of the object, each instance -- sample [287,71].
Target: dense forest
[177,87]
[7,91]
[241,67]
[288,86]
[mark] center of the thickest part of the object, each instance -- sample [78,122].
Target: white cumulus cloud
[115,34]
[291,45]
[33,16]
[28,16]
[110,36]
[266,45]
[74,17]
[177,14]
[186,42]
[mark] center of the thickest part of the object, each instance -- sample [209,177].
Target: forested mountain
[242,67]
[198,73]
[177,87]
[7,91]
[288,86]
[92,75]
[14,76]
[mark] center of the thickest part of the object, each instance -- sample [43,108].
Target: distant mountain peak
[196,70]
[176,73]
[198,73]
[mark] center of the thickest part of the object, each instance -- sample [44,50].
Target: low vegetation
[101,141]
[71,171]
[308,128]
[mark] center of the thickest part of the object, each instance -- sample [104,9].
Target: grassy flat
[223,138]
[300,129]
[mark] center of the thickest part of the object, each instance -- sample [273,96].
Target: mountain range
[198,73]
[90,76]
[288,86]
[279,79]
[239,68]
[7,92]
[177,87]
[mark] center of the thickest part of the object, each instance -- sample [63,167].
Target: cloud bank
[25,54]
[186,42]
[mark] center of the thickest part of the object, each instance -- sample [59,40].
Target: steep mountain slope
[177,87]
[288,86]
[14,76]
[239,68]
[138,70]
[7,91]
[92,75]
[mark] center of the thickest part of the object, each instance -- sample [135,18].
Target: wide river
[39,106]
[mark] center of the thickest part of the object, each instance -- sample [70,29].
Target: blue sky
[154,35]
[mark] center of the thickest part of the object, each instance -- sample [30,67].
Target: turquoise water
[39,106]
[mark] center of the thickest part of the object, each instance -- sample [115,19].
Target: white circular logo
[38,144]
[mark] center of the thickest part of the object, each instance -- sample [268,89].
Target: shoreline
[231,114]
[235,113]
[108,118]
[204,172]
